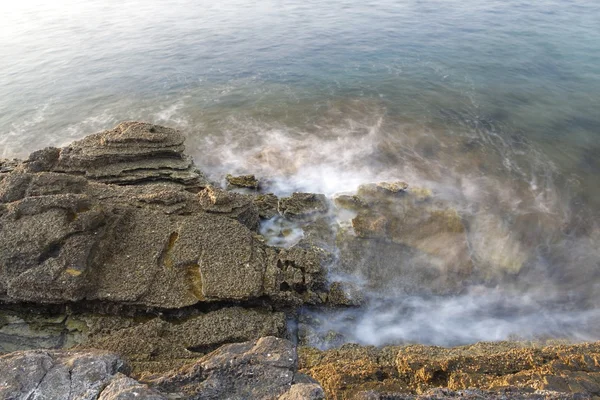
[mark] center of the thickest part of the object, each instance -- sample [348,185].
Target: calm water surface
[494,105]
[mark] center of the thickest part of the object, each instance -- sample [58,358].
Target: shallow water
[492,105]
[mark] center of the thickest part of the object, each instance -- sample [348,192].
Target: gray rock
[56,375]
[261,369]
[234,205]
[267,205]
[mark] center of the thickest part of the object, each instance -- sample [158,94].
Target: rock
[392,222]
[243,181]
[8,166]
[296,275]
[481,371]
[56,375]
[133,152]
[267,205]
[304,391]
[150,245]
[344,294]
[158,345]
[122,387]
[261,369]
[300,205]
[350,202]
[235,205]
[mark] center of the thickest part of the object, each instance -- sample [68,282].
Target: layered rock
[131,153]
[91,222]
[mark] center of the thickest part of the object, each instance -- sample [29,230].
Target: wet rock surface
[163,285]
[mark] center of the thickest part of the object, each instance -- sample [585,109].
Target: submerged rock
[401,238]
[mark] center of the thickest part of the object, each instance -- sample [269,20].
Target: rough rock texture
[143,236]
[300,205]
[243,181]
[526,370]
[56,375]
[262,369]
[403,238]
[159,345]
[118,248]
[133,152]
[122,387]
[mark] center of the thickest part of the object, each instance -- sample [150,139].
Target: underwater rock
[398,233]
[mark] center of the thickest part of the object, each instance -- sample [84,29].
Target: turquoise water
[491,104]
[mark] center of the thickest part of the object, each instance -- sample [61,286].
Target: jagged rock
[243,181]
[152,245]
[122,387]
[344,294]
[296,275]
[261,369]
[8,166]
[300,205]
[265,368]
[133,152]
[350,202]
[56,375]
[235,205]
[158,345]
[304,391]
[496,370]
[267,205]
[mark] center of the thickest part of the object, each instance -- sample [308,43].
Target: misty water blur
[490,106]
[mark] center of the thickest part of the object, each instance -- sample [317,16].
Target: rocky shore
[125,273]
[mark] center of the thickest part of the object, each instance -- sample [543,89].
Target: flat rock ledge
[126,274]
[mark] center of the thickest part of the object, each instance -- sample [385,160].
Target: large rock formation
[123,216]
[164,285]
[262,369]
